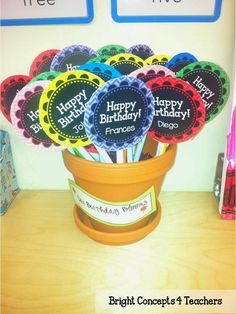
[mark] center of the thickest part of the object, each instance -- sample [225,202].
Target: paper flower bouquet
[117,115]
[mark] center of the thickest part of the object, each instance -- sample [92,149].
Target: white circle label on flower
[119,113]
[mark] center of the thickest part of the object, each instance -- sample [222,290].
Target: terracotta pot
[121,182]
[84,224]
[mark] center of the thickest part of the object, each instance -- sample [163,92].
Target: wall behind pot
[195,165]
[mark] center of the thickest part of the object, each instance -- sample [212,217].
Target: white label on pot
[114,213]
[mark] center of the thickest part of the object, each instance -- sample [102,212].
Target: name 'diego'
[121,112]
[170,108]
[69,110]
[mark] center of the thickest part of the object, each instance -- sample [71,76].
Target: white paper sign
[23,12]
[165,10]
[111,213]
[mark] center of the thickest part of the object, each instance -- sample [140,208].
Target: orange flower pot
[120,183]
[128,237]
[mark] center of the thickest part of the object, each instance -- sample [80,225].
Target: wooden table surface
[50,267]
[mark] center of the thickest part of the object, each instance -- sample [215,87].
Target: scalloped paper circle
[142,51]
[150,72]
[9,89]
[119,113]
[125,63]
[179,110]
[111,50]
[42,62]
[63,104]
[102,70]
[25,117]
[99,59]
[45,76]
[180,60]
[161,59]
[212,83]
[72,56]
